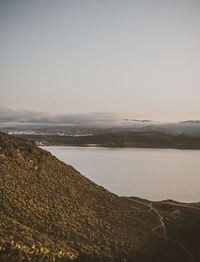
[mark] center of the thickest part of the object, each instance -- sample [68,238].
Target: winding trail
[162,224]
[151,208]
[161,219]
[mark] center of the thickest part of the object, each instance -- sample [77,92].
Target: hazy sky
[139,58]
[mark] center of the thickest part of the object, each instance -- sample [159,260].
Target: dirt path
[161,219]
[162,225]
[151,208]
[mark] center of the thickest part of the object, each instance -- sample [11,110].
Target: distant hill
[141,139]
[50,212]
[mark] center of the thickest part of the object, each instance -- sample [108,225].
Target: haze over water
[154,174]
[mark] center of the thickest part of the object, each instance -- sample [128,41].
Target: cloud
[10,115]
[137,120]
[25,116]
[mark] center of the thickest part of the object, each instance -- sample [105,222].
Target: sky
[138,58]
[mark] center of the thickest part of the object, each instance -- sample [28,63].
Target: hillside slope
[50,212]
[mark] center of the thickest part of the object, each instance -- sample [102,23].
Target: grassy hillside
[147,139]
[50,212]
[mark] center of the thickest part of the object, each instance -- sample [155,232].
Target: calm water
[154,174]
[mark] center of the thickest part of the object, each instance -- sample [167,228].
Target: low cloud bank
[25,116]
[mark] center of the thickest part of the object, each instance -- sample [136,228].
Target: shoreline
[118,147]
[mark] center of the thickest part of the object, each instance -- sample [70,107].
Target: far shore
[120,140]
[113,146]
